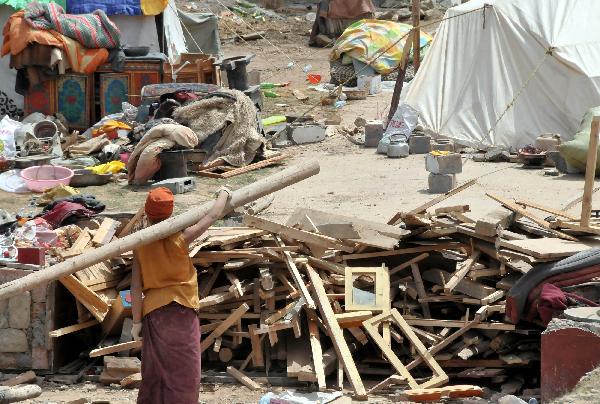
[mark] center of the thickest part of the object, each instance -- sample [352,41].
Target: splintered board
[224,171]
[547,247]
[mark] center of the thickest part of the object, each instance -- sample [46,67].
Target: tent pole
[590,173]
[416,21]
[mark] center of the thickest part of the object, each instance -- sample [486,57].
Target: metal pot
[398,146]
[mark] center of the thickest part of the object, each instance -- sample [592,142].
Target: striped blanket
[93,31]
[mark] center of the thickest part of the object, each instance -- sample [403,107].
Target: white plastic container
[372,84]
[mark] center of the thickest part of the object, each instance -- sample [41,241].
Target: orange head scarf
[159,204]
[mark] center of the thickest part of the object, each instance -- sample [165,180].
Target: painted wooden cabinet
[85,99]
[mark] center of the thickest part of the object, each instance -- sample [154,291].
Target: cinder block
[373,133]
[419,144]
[443,164]
[441,183]
[19,311]
[306,133]
[442,145]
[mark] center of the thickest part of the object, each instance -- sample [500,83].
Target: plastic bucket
[41,178]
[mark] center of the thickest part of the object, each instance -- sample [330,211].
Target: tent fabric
[110,7]
[365,39]
[504,73]
[201,33]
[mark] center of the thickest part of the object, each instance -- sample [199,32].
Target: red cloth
[159,204]
[348,9]
[170,356]
[553,301]
[63,210]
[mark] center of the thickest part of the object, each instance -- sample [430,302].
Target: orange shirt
[168,274]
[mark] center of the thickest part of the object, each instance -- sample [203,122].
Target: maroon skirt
[170,356]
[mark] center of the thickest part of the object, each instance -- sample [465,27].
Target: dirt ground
[353,180]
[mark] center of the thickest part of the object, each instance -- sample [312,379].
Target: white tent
[505,73]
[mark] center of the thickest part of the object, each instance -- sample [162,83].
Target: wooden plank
[257,351]
[453,209]
[228,322]
[590,172]
[243,378]
[428,322]
[289,262]
[295,234]
[327,265]
[547,247]
[461,272]
[466,286]
[422,208]
[336,334]
[125,346]
[408,263]
[90,300]
[208,285]
[106,231]
[317,350]
[416,272]
[72,328]
[79,245]
[537,220]
[410,250]
[493,221]
[555,212]
[346,320]
[132,222]
[23,378]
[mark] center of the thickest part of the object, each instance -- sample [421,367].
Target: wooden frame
[381,286]
[371,326]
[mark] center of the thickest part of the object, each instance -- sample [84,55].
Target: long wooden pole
[590,173]
[160,230]
[400,79]
[416,21]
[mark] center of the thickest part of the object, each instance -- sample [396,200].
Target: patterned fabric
[110,7]
[21,4]
[93,31]
[365,39]
[114,93]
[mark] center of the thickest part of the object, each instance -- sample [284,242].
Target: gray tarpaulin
[204,28]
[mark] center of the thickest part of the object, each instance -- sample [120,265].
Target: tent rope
[511,103]
[184,27]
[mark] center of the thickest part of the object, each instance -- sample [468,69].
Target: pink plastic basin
[41,178]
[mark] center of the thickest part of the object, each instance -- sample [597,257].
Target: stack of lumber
[328,299]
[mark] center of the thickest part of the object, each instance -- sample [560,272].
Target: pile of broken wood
[413,304]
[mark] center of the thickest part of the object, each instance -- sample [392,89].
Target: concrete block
[442,145]
[19,311]
[373,133]
[177,185]
[307,134]
[12,340]
[419,144]
[443,164]
[441,183]
[498,218]
[3,321]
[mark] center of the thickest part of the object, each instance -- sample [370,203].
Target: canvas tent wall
[505,73]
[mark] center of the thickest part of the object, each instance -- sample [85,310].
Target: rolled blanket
[93,30]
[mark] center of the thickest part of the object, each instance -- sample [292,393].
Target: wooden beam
[295,234]
[243,378]
[410,250]
[555,212]
[90,300]
[408,263]
[72,328]
[289,262]
[336,334]
[240,197]
[23,378]
[429,322]
[125,346]
[132,222]
[353,319]
[416,32]
[590,172]
[228,322]
[537,220]
[422,208]
[416,272]
[461,271]
[317,350]
[106,231]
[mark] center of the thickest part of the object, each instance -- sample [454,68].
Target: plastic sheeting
[479,62]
